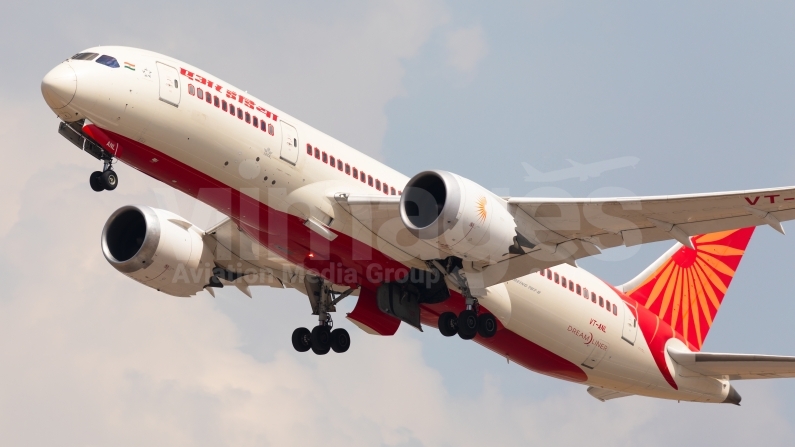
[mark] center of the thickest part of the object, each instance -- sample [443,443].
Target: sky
[702,94]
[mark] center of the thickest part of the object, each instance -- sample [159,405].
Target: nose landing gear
[105,180]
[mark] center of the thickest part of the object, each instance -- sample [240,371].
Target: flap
[604,394]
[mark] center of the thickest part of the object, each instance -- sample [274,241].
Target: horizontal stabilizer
[736,366]
[604,394]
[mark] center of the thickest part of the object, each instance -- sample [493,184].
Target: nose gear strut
[104,180]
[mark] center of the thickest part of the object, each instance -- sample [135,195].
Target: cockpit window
[84,56]
[108,60]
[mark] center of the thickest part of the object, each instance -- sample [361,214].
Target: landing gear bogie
[467,324]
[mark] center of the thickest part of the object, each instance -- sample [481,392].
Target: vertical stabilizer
[685,287]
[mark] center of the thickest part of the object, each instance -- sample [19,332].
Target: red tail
[687,287]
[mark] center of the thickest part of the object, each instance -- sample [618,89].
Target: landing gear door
[289,144]
[169,84]
[630,331]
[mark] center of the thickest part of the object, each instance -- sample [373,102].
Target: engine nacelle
[459,216]
[158,249]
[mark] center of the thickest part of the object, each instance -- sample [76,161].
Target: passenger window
[585,293]
[370,180]
[541,272]
[113,63]
[355,173]
[200,93]
[223,105]
[601,302]
[216,102]
[571,286]
[309,149]
[386,189]
[209,98]
[549,274]
[231,110]
[248,118]
[339,165]
[363,177]
[607,305]
[348,169]
[191,90]
[377,184]
[579,290]
[255,121]
[557,278]
[317,153]
[325,158]
[239,113]
[392,191]
[264,127]
[270,129]
[615,309]
[593,297]
[332,161]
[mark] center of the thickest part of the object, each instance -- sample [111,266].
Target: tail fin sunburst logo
[687,290]
[480,206]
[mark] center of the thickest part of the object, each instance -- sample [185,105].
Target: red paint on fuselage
[287,236]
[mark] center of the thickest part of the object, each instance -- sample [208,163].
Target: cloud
[466,47]
[93,358]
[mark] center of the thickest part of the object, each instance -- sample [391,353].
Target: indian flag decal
[129,66]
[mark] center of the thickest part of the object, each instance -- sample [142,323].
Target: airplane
[578,170]
[436,250]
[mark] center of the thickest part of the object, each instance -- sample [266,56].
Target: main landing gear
[323,337]
[468,323]
[105,180]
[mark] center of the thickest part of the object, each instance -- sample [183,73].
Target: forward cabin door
[289,144]
[630,331]
[169,84]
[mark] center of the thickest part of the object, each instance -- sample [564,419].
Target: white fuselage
[272,166]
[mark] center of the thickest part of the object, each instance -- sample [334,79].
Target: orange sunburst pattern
[480,206]
[686,291]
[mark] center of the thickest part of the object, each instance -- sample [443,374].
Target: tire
[487,325]
[467,324]
[448,324]
[96,181]
[301,339]
[109,180]
[340,340]
[321,340]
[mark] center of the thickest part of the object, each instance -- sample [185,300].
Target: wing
[564,230]
[735,366]
[247,263]
[610,222]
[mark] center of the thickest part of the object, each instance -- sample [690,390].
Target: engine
[158,249]
[459,216]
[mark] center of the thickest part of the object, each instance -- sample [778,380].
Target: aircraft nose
[59,86]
